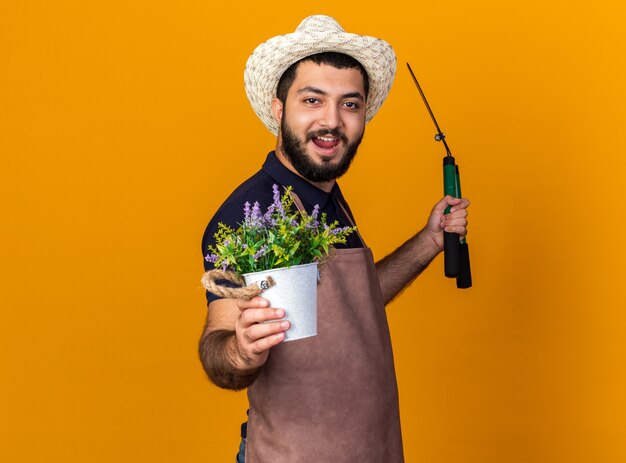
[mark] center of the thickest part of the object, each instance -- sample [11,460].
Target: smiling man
[332,397]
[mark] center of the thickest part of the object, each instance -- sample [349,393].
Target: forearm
[218,354]
[397,270]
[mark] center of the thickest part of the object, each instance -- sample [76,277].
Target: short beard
[294,151]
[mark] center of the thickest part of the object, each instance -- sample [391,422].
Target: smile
[326,142]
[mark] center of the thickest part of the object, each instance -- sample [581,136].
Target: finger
[456,226]
[449,221]
[249,317]
[462,204]
[256,301]
[264,344]
[442,204]
[262,330]
[454,218]
[452,200]
[459,230]
[456,215]
[460,222]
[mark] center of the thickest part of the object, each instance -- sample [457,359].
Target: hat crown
[319,24]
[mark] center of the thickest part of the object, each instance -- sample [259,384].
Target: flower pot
[295,291]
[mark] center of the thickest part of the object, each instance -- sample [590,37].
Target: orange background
[123,125]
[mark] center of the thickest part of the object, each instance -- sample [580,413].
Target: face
[322,121]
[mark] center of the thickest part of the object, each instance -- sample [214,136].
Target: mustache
[332,132]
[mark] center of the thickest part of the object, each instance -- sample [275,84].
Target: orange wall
[123,125]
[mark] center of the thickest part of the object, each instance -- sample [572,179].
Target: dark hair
[331,58]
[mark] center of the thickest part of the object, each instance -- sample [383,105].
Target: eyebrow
[322,92]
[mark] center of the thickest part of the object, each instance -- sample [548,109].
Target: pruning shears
[456,251]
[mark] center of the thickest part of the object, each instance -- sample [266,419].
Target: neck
[324,186]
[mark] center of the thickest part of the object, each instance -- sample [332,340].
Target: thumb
[446,201]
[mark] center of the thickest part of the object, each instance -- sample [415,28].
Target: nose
[331,117]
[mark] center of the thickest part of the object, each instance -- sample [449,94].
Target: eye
[352,105]
[311,100]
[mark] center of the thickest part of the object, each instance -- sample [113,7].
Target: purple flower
[269,220]
[336,231]
[276,195]
[256,217]
[246,212]
[316,211]
[278,205]
[340,230]
[260,253]
[212,258]
[314,223]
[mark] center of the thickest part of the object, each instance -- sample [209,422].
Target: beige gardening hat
[316,34]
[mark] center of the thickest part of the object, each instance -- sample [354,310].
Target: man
[332,397]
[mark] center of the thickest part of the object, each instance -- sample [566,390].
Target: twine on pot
[210,278]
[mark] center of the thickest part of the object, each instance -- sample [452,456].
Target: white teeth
[327,138]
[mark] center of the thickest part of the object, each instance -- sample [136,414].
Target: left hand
[454,222]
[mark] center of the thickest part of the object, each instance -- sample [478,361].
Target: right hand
[254,339]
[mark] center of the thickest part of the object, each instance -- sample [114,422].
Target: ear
[277,109]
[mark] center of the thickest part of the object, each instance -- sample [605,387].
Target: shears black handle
[455,249]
